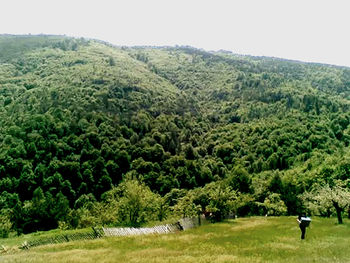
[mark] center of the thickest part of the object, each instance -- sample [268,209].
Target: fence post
[96,233]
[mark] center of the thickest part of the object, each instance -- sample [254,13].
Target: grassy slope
[243,240]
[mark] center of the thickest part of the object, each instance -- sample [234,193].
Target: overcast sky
[307,30]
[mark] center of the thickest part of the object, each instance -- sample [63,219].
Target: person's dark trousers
[303,230]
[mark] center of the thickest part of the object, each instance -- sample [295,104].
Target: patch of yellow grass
[249,224]
[151,254]
[102,255]
[185,258]
[188,238]
[282,246]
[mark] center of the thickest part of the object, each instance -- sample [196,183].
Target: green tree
[216,198]
[273,205]
[5,223]
[138,204]
[240,180]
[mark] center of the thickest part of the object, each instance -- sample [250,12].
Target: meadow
[254,239]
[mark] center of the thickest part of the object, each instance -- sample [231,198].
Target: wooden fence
[93,234]
[182,224]
[130,231]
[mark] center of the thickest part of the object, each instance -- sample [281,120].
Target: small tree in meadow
[273,205]
[5,224]
[138,204]
[217,198]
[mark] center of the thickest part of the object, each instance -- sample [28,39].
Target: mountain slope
[80,116]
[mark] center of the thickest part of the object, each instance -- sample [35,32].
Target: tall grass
[257,239]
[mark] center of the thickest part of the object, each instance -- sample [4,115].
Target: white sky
[307,30]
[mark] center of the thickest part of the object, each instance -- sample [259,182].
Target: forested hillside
[93,134]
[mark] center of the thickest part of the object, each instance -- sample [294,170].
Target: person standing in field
[303,223]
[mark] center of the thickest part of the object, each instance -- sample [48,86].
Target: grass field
[255,239]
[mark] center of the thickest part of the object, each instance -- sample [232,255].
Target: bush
[273,205]
[5,225]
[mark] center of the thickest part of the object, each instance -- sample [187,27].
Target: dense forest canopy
[91,132]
